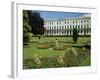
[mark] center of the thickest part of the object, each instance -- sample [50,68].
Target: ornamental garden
[47,47]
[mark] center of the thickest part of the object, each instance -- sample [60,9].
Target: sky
[59,15]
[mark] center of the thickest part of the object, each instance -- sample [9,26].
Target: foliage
[67,46]
[86,61]
[43,46]
[85,30]
[49,58]
[70,59]
[87,45]
[36,22]
[58,48]
[75,35]
[26,28]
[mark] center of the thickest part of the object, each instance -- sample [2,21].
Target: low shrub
[58,48]
[78,45]
[72,57]
[26,45]
[43,46]
[67,46]
[87,46]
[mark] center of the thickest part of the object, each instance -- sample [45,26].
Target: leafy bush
[43,46]
[26,28]
[67,46]
[70,59]
[58,48]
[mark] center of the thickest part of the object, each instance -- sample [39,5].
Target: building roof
[69,18]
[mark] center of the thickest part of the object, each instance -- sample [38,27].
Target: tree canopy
[26,28]
[75,35]
[36,23]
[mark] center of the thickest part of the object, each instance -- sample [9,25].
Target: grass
[32,50]
[81,40]
[46,47]
[86,62]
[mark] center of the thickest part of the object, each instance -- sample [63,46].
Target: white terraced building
[66,26]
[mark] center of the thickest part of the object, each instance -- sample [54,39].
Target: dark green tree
[85,30]
[26,28]
[36,23]
[75,35]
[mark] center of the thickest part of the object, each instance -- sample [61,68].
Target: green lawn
[81,40]
[32,49]
[86,62]
[66,54]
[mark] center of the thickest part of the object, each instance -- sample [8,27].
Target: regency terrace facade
[66,26]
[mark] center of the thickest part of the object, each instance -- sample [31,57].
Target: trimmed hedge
[70,59]
[62,36]
[43,46]
[58,48]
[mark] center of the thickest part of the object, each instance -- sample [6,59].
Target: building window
[87,25]
[84,21]
[57,27]
[65,27]
[73,26]
[57,23]
[78,27]
[81,26]
[84,26]
[50,23]
[62,27]
[68,27]
[78,31]
[81,21]
[67,21]
[76,21]
[73,22]
[81,31]
[50,28]
[87,30]
[87,21]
